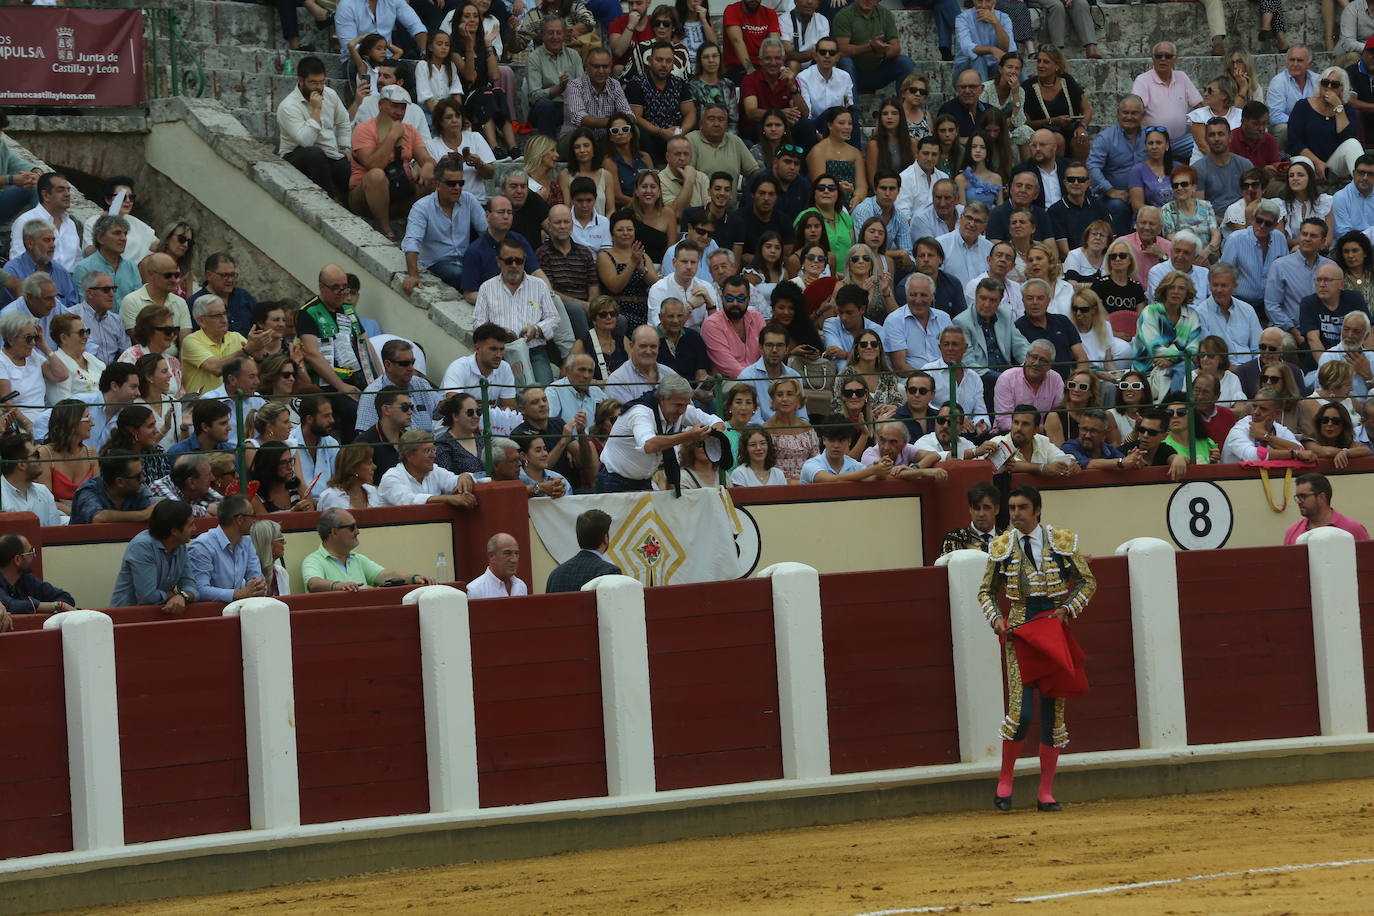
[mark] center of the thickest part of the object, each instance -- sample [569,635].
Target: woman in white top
[1213,357]
[25,369]
[698,471]
[83,369]
[1108,355]
[154,392]
[452,137]
[582,161]
[1218,101]
[757,463]
[270,544]
[1301,199]
[351,486]
[435,77]
[1042,262]
[1132,393]
[1088,262]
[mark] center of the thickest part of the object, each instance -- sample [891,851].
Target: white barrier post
[1161,711]
[625,704]
[977,659]
[97,782]
[803,714]
[450,710]
[269,711]
[1336,631]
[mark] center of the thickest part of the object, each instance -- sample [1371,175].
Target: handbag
[398,183]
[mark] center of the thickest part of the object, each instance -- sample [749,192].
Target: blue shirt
[703,268]
[1290,279]
[319,468]
[898,229]
[354,17]
[24,265]
[21,307]
[108,338]
[148,572]
[421,395]
[1074,449]
[435,235]
[220,567]
[1242,250]
[565,400]
[239,308]
[1283,94]
[756,377]
[1240,329]
[190,444]
[903,331]
[819,463]
[969,33]
[964,262]
[1112,157]
[92,498]
[1353,211]
[479,261]
[126,278]
[833,334]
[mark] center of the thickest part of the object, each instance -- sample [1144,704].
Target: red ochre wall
[1104,719]
[36,804]
[1364,563]
[1249,665]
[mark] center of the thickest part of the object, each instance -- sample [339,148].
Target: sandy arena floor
[939,863]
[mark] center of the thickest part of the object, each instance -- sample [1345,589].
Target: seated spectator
[679,177]
[108,338]
[793,437]
[21,592]
[716,150]
[967,386]
[593,529]
[1038,324]
[748,23]
[365,104]
[39,302]
[177,242]
[116,495]
[770,366]
[455,137]
[915,413]
[574,392]
[569,449]
[206,353]
[20,489]
[590,227]
[398,371]
[109,263]
[1168,333]
[774,87]
[590,100]
[994,340]
[336,567]
[870,49]
[316,129]
[315,449]
[163,275]
[535,474]
[25,368]
[136,430]
[641,372]
[240,382]
[503,560]
[1091,449]
[221,279]
[550,67]
[19,180]
[1260,437]
[54,206]
[522,304]
[834,464]
[1186,432]
[665,27]
[530,210]
[1025,449]
[1351,349]
[280,489]
[982,37]
[485,364]
[416,480]
[395,412]
[1313,497]
[119,388]
[570,267]
[680,348]
[756,461]
[1217,419]
[156,566]
[1225,315]
[333,343]
[83,369]
[223,561]
[210,428]
[350,485]
[941,442]
[731,334]
[1325,128]
[840,332]
[382,147]
[892,444]
[505,459]
[661,103]
[66,461]
[1293,277]
[1328,431]
[481,262]
[191,482]
[269,545]
[1352,207]
[1321,317]
[1146,447]
[36,257]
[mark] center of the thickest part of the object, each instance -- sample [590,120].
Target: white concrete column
[450,710]
[269,711]
[1161,711]
[97,781]
[977,659]
[803,714]
[1336,631]
[625,705]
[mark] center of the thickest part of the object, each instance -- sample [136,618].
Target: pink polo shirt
[1290,537]
[730,355]
[1167,106]
[1143,261]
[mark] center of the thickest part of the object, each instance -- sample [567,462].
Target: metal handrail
[183,73]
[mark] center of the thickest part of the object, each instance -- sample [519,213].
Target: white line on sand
[1111,889]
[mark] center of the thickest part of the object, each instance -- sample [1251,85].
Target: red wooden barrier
[181,729]
[360,723]
[889,670]
[1364,563]
[36,805]
[537,685]
[1249,665]
[1105,718]
[713,677]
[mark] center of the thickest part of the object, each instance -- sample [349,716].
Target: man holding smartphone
[315,130]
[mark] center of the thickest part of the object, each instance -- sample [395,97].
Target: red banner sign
[83,58]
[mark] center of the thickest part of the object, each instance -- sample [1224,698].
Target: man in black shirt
[530,210]
[744,226]
[1146,447]
[394,413]
[679,347]
[1038,324]
[566,453]
[1071,216]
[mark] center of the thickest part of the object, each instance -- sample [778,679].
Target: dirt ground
[938,863]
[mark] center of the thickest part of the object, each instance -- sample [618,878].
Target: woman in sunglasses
[277,377]
[1325,129]
[1119,290]
[915,90]
[1186,438]
[1333,435]
[868,363]
[155,331]
[866,269]
[710,86]
[83,369]
[279,488]
[1218,101]
[825,202]
[1241,214]
[155,393]
[1355,255]
[1149,180]
[1132,394]
[1107,354]
[623,158]
[458,445]
[1280,377]
[1335,381]
[1081,392]
[815,261]
[810,230]
[1188,211]
[179,243]
[602,343]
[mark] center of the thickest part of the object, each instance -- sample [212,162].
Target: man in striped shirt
[522,304]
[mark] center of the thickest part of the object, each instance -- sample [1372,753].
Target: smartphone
[10,397]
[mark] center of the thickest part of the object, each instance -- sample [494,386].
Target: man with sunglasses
[521,303]
[163,275]
[20,490]
[395,414]
[915,414]
[1168,95]
[1254,250]
[1296,81]
[1146,448]
[732,332]
[826,86]
[223,560]
[21,592]
[701,232]
[1076,209]
[440,227]
[1262,370]
[335,566]
[1260,437]
[1312,493]
[398,371]
[1353,205]
[942,440]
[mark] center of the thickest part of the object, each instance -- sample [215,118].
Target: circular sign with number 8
[1199,516]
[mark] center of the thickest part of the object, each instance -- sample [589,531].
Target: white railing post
[977,659]
[1161,709]
[803,713]
[269,711]
[450,710]
[626,710]
[93,763]
[1336,631]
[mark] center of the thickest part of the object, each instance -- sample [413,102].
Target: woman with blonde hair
[913,97]
[1081,392]
[541,167]
[1335,381]
[1322,128]
[1118,290]
[793,438]
[868,362]
[269,543]
[1108,355]
[1042,263]
[864,268]
[178,241]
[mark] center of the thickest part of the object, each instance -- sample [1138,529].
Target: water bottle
[441,567]
[290,68]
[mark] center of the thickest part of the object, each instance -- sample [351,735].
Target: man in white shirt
[20,490]
[918,179]
[968,390]
[1185,247]
[499,579]
[417,481]
[1296,81]
[1025,449]
[941,215]
[642,371]
[589,227]
[486,362]
[315,449]
[522,304]
[939,440]
[647,435]
[315,130]
[683,283]
[366,103]
[1352,349]
[800,28]
[54,202]
[1225,316]
[966,249]
[1260,437]
[1001,259]
[826,86]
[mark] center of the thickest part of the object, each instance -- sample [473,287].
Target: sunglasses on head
[1157,130]
[790,148]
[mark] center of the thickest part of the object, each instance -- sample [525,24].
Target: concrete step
[215,56]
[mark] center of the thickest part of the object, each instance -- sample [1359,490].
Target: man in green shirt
[335,567]
[870,50]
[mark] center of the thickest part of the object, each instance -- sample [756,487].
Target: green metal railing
[172,68]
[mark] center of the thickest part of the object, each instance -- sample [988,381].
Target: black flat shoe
[1048,806]
[1001,802]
